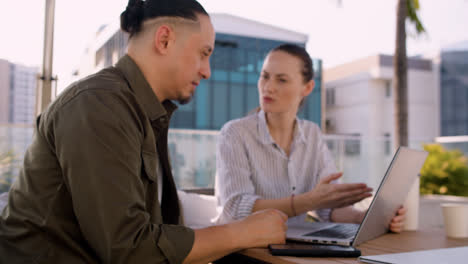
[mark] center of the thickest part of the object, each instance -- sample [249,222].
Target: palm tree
[406,9]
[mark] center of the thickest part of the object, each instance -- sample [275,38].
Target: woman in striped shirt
[272,159]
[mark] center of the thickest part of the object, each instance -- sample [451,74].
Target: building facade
[17,115]
[231,92]
[454,93]
[360,103]
[359,99]
[17,93]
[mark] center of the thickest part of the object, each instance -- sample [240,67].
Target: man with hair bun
[96,184]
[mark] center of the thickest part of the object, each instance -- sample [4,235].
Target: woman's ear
[309,87]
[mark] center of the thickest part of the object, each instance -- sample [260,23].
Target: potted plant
[444,178]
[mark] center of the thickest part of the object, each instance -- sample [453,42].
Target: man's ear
[163,39]
[308,88]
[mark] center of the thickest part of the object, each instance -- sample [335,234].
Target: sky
[337,33]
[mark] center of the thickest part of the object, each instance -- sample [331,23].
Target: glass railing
[458,143]
[361,160]
[193,156]
[14,140]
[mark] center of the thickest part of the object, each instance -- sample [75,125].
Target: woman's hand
[398,221]
[329,195]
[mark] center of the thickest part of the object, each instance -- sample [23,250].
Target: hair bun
[132,17]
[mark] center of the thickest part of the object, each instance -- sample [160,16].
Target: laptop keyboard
[336,231]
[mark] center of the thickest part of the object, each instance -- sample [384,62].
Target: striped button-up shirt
[251,166]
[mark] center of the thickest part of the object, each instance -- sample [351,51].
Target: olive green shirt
[87,192]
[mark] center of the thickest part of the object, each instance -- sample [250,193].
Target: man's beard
[185,100]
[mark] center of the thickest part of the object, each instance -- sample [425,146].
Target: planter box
[430,212]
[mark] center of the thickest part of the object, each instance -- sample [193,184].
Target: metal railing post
[45,91]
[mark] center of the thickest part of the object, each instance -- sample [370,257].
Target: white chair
[198,210]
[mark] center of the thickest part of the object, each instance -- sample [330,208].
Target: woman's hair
[138,11]
[300,53]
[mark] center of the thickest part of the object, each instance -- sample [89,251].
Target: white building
[359,102]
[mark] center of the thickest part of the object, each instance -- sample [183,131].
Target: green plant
[6,173]
[444,172]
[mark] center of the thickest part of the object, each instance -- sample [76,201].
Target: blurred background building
[17,115]
[231,92]
[360,106]
[359,99]
[454,93]
[17,93]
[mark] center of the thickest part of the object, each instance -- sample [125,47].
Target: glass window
[220,104]
[330,96]
[252,78]
[182,119]
[252,97]
[449,129]
[450,110]
[460,113]
[460,129]
[388,89]
[312,107]
[237,77]
[220,75]
[252,58]
[232,90]
[259,66]
[459,96]
[238,59]
[202,106]
[236,103]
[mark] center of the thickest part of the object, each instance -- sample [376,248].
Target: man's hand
[329,195]
[257,230]
[261,228]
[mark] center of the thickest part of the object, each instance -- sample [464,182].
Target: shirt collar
[299,132]
[143,91]
[264,132]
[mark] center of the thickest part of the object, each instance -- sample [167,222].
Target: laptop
[391,194]
[434,256]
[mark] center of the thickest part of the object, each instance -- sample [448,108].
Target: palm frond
[413,8]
